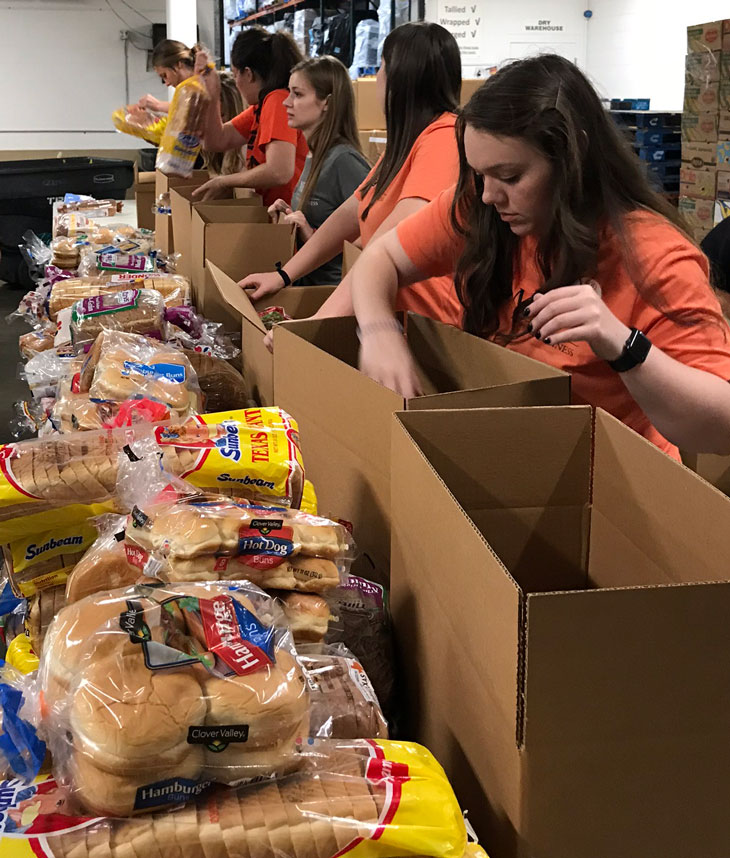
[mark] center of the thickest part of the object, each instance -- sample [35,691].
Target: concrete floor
[11,388]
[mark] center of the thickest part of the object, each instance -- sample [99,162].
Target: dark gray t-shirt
[343,171]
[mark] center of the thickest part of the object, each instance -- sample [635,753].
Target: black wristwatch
[636,348]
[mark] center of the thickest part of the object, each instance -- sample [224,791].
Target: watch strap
[636,349]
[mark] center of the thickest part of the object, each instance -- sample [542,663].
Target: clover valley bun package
[150,694]
[211,538]
[366,799]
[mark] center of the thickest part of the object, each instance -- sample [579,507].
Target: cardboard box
[697,183]
[560,596]
[714,469]
[350,255]
[235,238]
[181,200]
[163,223]
[257,362]
[703,67]
[701,156]
[367,108]
[722,150]
[144,198]
[373,143]
[723,185]
[344,417]
[714,36]
[699,235]
[702,96]
[697,213]
[723,97]
[699,127]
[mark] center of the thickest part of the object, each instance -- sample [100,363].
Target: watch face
[638,346]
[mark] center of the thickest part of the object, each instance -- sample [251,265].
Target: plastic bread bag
[113,261]
[21,656]
[88,205]
[183,537]
[180,144]
[104,566]
[174,288]
[44,372]
[66,251]
[138,311]
[361,621]
[209,337]
[343,702]
[375,799]
[40,339]
[42,609]
[122,366]
[139,122]
[36,254]
[151,694]
[29,417]
[72,224]
[308,615]
[250,453]
[21,750]
[221,384]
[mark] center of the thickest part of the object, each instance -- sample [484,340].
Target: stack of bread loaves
[150,694]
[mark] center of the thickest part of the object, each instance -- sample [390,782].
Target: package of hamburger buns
[368,799]
[206,537]
[136,311]
[151,694]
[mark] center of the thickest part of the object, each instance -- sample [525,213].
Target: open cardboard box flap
[234,296]
[582,711]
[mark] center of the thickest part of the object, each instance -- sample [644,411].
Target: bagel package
[151,694]
[174,288]
[138,311]
[366,799]
[208,538]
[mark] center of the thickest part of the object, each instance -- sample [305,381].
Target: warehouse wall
[63,71]
[636,48]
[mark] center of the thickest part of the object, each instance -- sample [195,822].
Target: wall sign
[464,21]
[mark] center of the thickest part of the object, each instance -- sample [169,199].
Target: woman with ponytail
[261,63]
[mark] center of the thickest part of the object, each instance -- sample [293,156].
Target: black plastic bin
[28,188]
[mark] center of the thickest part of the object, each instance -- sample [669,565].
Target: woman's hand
[208,75]
[301,223]
[573,314]
[269,340]
[262,285]
[386,358]
[279,207]
[213,189]
[149,102]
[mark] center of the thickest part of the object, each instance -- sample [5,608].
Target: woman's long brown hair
[597,180]
[329,79]
[423,66]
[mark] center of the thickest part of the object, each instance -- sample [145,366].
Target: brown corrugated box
[144,198]
[560,596]
[702,67]
[344,417]
[350,254]
[699,127]
[182,203]
[257,362]
[713,36]
[698,214]
[235,238]
[367,109]
[373,143]
[697,183]
[163,223]
[701,96]
[701,156]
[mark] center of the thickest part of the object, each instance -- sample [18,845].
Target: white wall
[636,48]
[63,70]
[511,29]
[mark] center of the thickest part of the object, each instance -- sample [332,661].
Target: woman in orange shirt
[563,252]
[418,84]
[276,153]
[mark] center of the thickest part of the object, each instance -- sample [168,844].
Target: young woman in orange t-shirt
[276,153]
[562,251]
[419,84]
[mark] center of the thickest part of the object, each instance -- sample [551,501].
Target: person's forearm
[163,107]
[215,136]
[339,302]
[690,408]
[374,286]
[341,226]
[261,176]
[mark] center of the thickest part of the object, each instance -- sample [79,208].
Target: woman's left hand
[303,228]
[213,189]
[577,314]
